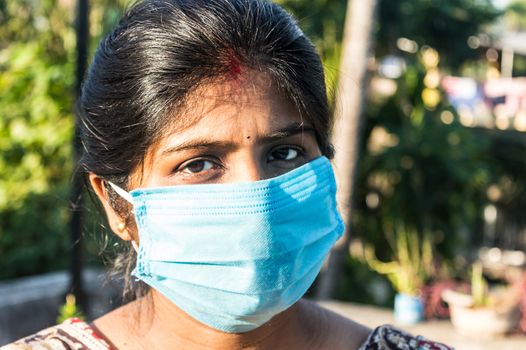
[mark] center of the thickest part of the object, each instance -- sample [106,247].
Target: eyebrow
[288,131]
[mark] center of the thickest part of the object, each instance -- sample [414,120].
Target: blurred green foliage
[36,97]
[69,309]
[515,16]
[432,177]
[37,64]
[444,25]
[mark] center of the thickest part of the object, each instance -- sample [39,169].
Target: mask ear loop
[135,246]
[128,197]
[124,194]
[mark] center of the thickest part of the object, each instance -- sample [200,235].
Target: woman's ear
[116,222]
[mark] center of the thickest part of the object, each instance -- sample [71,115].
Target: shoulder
[73,334]
[390,338]
[341,332]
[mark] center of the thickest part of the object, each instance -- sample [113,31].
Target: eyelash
[215,163]
[299,150]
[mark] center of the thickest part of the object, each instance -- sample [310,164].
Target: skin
[242,130]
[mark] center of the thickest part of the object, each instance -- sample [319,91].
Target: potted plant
[412,261]
[486,312]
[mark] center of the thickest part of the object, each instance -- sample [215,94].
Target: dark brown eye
[198,166]
[286,153]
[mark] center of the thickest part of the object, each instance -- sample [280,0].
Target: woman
[206,128]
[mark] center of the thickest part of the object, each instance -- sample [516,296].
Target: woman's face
[239,131]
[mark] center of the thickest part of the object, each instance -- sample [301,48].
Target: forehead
[232,110]
[250,102]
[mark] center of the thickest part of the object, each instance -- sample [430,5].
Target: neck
[170,327]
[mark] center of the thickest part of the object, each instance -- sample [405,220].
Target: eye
[197,166]
[199,169]
[285,153]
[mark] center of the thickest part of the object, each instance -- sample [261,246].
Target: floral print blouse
[74,334]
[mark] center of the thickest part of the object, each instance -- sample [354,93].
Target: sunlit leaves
[37,66]
[36,126]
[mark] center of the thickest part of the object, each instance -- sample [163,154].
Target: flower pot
[408,309]
[484,321]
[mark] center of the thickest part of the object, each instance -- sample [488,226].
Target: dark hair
[162,50]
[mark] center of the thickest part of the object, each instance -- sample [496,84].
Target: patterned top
[389,338]
[74,334]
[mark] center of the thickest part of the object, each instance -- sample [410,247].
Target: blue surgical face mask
[234,255]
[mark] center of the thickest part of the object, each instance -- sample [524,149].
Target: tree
[36,99]
[421,167]
[515,16]
[350,98]
[443,25]
[37,56]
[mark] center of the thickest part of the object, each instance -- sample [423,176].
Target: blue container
[408,309]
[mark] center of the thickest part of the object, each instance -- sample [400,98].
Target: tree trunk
[350,98]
